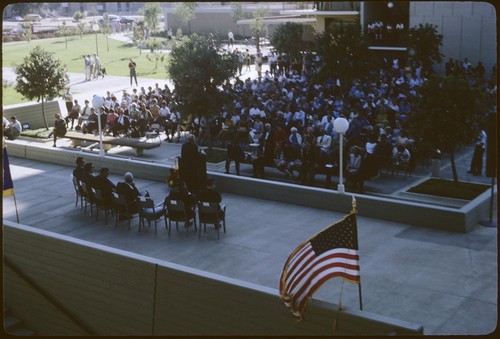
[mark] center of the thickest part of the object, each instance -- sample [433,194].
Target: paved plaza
[446,282]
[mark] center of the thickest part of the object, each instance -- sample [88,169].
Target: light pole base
[340,188]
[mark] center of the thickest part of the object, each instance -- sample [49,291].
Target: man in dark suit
[209,194]
[266,152]
[191,165]
[78,171]
[129,191]
[122,123]
[102,183]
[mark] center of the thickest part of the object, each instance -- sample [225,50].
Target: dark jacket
[129,191]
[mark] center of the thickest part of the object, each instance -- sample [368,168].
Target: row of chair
[171,210]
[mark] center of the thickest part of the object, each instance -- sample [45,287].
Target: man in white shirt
[230,36]
[324,142]
[12,129]
[85,114]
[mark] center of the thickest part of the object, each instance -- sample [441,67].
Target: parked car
[125,20]
[32,17]
[18,30]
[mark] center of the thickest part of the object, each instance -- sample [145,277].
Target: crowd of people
[288,114]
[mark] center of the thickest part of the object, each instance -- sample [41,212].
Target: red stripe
[320,282]
[306,286]
[303,271]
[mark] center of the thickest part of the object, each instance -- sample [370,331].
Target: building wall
[115,292]
[468,29]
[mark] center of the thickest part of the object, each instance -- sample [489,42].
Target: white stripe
[319,265]
[304,267]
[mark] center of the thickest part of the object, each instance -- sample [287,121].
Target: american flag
[331,253]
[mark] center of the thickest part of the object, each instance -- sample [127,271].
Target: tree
[447,114]
[106,28]
[81,28]
[155,46]
[41,76]
[78,16]
[151,12]
[288,39]
[29,30]
[22,9]
[258,25]
[139,33]
[63,29]
[237,13]
[198,68]
[185,13]
[423,44]
[344,53]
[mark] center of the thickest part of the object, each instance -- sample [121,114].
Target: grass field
[10,96]
[114,55]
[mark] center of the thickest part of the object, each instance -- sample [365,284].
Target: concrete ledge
[456,219]
[169,294]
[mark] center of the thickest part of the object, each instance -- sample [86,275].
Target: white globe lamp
[341,125]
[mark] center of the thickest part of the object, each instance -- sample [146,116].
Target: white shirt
[324,141]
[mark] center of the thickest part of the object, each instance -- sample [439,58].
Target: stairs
[14,326]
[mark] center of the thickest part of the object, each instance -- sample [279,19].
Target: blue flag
[8,185]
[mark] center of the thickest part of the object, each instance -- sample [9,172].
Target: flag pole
[354,210]
[15,205]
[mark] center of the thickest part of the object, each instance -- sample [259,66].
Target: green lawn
[10,96]
[115,58]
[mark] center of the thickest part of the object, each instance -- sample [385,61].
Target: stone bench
[32,113]
[107,141]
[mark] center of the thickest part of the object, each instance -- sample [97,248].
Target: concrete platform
[401,275]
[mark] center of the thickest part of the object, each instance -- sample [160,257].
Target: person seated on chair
[13,129]
[401,156]
[102,183]
[122,123]
[91,124]
[85,114]
[354,173]
[88,177]
[181,192]
[78,171]
[59,128]
[128,189]
[110,121]
[209,194]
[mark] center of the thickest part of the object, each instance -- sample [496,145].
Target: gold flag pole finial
[354,205]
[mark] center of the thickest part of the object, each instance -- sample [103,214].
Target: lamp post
[97,102]
[341,125]
[95,28]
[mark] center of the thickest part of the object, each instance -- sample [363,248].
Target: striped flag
[8,185]
[331,253]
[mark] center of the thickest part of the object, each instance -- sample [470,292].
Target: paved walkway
[446,282]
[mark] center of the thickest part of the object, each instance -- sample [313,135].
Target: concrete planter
[440,213]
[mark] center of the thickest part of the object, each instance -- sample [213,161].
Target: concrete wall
[32,113]
[459,219]
[468,28]
[115,292]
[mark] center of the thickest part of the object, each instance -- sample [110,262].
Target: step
[12,325]
[21,331]
[11,322]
